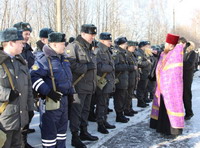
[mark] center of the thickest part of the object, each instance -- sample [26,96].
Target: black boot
[109,126]
[102,129]
[141,103]
[76,142]
[133,111]
[84,135]
[121,118]
[128,113]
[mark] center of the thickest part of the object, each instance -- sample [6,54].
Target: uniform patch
[139,57]
[35,67]
[65,60]
[68,51]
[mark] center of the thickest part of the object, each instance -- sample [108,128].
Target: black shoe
[28,146]
[133,111]
[110,110]
[109,126]
[76,142]
[92,118]
[130,114]
[188,117]
[142,105]
[102,129]
[122,119]
[147,100]
[30,131]
[84,135]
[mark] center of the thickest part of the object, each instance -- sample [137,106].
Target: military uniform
[145,66]
[83,65]
[131,83]
[106,67]
[20,101]
[121,74]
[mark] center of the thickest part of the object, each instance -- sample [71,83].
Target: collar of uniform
[27,47]
[3,56]
[102,46]
[49,52]
[122,50]
[83,42]
[40,45]
[141,51]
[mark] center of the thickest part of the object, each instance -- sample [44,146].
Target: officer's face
[131,48]
[124,46]
[88,37]
[18,47]
[26,36]
[44,40]
[108,43]
[59,47]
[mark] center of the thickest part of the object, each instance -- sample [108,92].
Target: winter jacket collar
[49,52]
[103,47]
[4,57]
[83,42]
[40,45]
[122,50]
[27,47]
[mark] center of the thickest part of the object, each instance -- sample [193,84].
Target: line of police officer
[116,72]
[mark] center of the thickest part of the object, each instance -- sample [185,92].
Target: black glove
[13,95]
[70,99]
[90,66]
[55,96]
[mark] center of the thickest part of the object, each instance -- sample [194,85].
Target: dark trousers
[187,93]
[128,104]
[54,126]
[80,109]
[102,106]
[141,89]
[13,139]
[119,100]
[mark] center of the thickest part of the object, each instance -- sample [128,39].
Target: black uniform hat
[105,36]
[132,43]
[44,32]
[120,40]
[23,26]
[143,43]
[10,34]
[89,28]
[56,37]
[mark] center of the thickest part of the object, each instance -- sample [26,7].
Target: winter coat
[28,55]
[15,116]
[143,64]
[121,68]
[41,77]
[80,54]
[105,64]
[132,69]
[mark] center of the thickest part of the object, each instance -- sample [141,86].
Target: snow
[136,133]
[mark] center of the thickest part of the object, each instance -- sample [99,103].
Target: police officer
[29,58]
[15,88]
[145,66]
[133,69]
[121,74]
[105,71]
[83,65]
[43,34]
[51,76]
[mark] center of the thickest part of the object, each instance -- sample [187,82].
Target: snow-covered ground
[136,133]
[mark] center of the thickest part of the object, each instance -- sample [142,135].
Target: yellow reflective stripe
[175,114]
[154,117]
[155,107]
[173,66]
